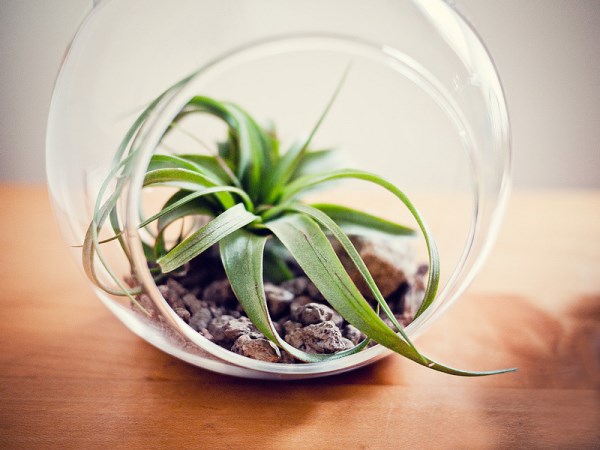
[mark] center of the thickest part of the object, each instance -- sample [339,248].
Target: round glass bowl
[422,106]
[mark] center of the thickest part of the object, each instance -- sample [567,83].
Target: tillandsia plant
[253,194]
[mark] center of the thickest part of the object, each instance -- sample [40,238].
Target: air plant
[253,194]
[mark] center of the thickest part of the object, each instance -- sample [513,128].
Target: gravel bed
[202,296]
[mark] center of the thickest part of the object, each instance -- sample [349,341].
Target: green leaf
[222,225]
[161,161]
[214,165]
[121,167]
[242,256]
[188,180]
[308,244]
[179,205]
[358,222]
[325,221]
[307,182]
[276,269]
[250,152]
[91,248]
[269,145]
[182,204]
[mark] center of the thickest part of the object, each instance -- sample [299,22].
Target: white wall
[547,53]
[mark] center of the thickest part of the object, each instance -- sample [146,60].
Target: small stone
[192,303]
[299,302]
[337,319]
[278,299]
[353,334]
[404,319]
[200,319]
[234,328]
[219,292]
[204,332]
[236,314]
[256,348]
[170,293]
[171,296]
[217,311]
[176,287]
[294,335]
[324,337]
[183,313]
[296,286]
[216,327]
[312,313]
[390,263]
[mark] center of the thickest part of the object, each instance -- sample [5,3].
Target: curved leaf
[187,180]
[250,152]
[222,225]
[359,222]
[349,248]
[242,256]
[308,244]
[309,181]
[162,161]
[215,165]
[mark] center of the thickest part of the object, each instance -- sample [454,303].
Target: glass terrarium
[420,105]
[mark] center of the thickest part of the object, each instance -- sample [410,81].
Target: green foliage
[253,195]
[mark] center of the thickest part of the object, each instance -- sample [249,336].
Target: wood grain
[71,376]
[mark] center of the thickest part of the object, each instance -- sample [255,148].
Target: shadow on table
[554,397]
[550,399]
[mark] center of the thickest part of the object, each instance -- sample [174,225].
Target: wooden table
[71,376]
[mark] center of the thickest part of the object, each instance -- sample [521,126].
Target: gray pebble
[389,262]
[278,299]
[216,327]
[200,319]
[299,302]
[324,337]
[312,313]
[234,328]
[219,292]
[353,334]
[192,303]
[256,348]
[175,301]
[176,287]
[294,334]
[296,286]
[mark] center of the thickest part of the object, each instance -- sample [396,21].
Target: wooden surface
[71,376]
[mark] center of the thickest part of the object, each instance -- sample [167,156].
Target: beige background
[547,53]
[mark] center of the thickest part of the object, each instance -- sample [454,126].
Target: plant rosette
[240,213]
